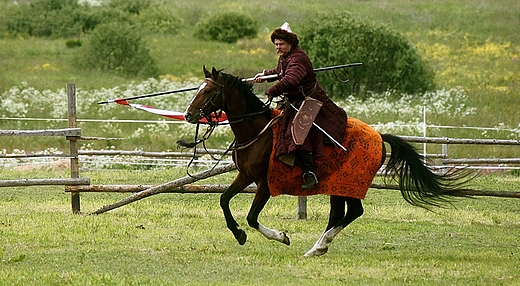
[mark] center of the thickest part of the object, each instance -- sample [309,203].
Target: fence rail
[443,140]
[75,185]
[480,161]
[72,134]
[67,132]
[220,188]
[43,182]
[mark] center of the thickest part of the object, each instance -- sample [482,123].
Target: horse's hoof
[241,237]
[316,252]
[286,240]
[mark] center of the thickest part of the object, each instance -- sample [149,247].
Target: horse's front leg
[261,198]
[238,185]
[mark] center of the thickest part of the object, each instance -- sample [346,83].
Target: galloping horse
[252,123]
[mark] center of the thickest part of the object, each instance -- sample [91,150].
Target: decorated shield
[304,118]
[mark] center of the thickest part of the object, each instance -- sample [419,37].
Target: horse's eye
[207,91]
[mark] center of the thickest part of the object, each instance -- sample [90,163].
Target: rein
[212,124]
[250,142]
[220,93]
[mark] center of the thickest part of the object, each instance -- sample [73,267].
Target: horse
[252,123]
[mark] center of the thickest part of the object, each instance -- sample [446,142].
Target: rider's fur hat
[285,33]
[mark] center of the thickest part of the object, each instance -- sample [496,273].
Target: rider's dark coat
[296,78]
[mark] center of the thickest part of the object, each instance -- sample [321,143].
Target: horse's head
[208,99]
[222,96]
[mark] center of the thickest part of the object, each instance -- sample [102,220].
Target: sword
[324,132]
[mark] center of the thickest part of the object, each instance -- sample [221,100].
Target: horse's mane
[245,89]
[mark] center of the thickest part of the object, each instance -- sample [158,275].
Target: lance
[337,67]
[267,77]
[274,76]
[149,95]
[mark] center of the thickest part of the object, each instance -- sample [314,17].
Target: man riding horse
[297,85]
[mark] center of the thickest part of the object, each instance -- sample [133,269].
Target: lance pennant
[165,113]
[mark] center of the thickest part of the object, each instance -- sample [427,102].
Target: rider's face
[282,47]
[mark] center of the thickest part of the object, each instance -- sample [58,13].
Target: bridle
[213,117]
[204,111]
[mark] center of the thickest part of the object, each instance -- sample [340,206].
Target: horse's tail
[419,185]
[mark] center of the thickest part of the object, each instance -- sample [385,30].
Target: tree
[390,62]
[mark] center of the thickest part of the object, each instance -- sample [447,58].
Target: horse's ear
[207,74]
[214,73]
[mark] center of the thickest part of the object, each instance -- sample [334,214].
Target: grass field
[181,239]
[473,47]
[465,41]
[173,239]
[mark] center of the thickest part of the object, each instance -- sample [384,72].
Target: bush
[119,47]
[73,44]
[160,19]
[64,18]
[45,18]
[226,27]
[130,6]
[104,15]
[390,63]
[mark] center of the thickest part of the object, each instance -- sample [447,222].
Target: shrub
[119,47]
[160,19]
[103,14]
[45,18]
[390,62]
[130,6]
[73,44]
[226,27]
[64,18]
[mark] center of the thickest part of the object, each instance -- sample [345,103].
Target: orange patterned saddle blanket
[340,173]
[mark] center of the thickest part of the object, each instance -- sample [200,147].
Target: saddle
[340,173]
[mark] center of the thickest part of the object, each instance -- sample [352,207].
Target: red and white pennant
[166,113]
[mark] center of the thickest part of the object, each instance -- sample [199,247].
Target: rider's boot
[305,160]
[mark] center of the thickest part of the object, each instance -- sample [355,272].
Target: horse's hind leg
[238,185]
[337,222]
[260,200]
[337,211]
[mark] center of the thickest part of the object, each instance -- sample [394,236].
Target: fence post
[424,134]
[444,153]
[302,208]
[73,143]
[444,150]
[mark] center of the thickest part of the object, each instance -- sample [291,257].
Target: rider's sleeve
[294,73]
[271,72]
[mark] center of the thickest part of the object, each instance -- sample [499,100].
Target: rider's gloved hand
[258,77]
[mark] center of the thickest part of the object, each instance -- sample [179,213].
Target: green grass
[474,45]
[47,64]
[446,22]
[173,239]
[179,239]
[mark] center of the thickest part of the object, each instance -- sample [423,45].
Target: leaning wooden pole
[166,186]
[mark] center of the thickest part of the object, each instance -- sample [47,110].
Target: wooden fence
[72,134]
[75,185]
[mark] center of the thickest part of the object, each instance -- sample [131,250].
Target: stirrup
[309,180]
